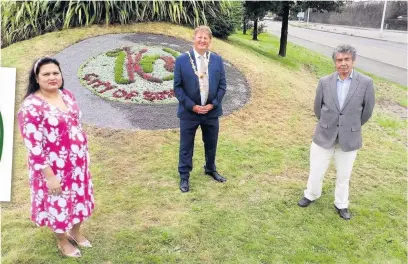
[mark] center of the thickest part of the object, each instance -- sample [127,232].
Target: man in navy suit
[199,85]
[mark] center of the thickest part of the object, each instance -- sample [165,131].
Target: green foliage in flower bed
[122,78]
[147,62]
[113,53]
[172,52]
[168,78]
[120,60]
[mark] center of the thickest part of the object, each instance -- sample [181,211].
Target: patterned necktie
[204,86]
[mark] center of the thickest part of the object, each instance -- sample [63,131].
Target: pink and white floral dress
[55,138]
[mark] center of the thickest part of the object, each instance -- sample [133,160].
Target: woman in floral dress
[58,159]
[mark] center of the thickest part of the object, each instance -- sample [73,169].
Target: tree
[255,10]
[244,19]
[284,30]
[244,24]
[282,9]
[224,21]
[397,8]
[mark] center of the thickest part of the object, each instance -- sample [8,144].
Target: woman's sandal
[75,254]
[82,244]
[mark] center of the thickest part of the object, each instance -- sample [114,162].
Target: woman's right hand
[54,186]
[53,183]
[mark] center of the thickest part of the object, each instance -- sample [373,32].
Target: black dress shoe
[216,176]
[184,186]
[304,202]
[344,213]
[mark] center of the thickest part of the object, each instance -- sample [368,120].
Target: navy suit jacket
[187,88]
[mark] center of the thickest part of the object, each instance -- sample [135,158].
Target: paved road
[383,58]
[374,33]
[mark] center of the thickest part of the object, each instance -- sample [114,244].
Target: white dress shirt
[197,59]
[343,87]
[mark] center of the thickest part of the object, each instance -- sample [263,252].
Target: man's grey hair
[344,49]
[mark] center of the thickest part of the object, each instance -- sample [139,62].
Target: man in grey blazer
[344,102]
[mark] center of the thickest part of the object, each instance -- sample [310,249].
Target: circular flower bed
[137,74]
[139,113]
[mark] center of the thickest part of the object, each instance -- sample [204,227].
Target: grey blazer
[344,123]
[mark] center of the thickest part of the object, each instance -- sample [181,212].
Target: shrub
[249,25]
[147,62]
[365,14]
[120,60]
[172,52]
[225,23]
[168,78]
[261,28]
[113,53]
[22,20]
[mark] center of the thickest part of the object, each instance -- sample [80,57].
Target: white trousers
[319,162]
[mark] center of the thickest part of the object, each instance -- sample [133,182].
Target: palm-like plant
[26,19]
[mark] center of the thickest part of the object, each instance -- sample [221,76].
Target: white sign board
[7,100]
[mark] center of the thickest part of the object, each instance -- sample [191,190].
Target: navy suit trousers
[188,128]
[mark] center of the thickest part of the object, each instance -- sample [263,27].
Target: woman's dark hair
[33,86]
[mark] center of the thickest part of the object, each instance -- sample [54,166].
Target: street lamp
[382,20]
[308,11]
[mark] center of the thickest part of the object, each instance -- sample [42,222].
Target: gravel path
[110,114]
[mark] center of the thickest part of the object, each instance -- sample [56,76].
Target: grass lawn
[141,216]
